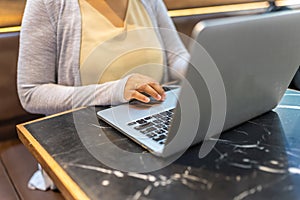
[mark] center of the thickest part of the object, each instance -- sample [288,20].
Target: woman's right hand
[138,84]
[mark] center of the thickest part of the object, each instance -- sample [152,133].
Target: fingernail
[158,97]
[147,99]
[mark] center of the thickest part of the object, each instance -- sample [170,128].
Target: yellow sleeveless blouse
[109,53]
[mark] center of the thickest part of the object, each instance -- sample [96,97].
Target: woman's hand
[138,84]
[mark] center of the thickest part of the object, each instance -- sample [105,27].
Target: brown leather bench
[16,163]
[20,165]
[7,190]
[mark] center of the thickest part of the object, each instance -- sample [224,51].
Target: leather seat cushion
[7,190]
[9,45]
[11,111]
[20,165]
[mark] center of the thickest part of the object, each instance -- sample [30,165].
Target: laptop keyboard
[154,126]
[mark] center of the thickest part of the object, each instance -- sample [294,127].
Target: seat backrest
[11,111]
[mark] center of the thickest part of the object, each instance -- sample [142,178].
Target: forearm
[52,98]
[178,67]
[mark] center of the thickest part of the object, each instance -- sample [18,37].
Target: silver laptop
[240,70]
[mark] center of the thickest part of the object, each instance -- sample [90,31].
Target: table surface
[259,159]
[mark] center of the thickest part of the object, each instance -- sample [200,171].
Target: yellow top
[109,53]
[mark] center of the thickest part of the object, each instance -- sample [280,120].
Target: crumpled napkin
[41,181]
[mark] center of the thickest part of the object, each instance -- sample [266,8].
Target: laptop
[240,68]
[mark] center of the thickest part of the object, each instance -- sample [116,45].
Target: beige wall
[177,4]
[11,10]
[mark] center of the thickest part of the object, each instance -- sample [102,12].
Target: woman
[76,53]
[63,44]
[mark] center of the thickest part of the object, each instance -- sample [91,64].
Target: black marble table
[259,159]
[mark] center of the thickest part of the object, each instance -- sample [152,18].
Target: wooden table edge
[67,186]
[51,116]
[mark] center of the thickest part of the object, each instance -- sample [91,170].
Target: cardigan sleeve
[177,55]
[37,70]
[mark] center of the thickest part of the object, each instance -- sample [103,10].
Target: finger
[158,88]
[151,91]
[138,96]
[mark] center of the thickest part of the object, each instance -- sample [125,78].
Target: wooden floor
[11,12]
